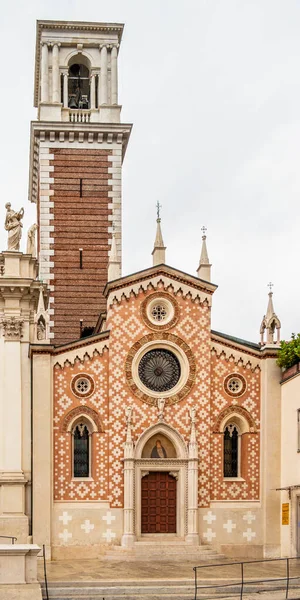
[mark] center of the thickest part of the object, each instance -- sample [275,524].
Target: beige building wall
[270,452]
[290,465]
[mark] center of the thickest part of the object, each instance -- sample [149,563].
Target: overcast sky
[213,90]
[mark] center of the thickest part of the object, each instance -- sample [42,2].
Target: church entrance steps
[161,590]
[163,551]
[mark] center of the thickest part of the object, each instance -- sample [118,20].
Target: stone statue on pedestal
[14,227]
[31,245]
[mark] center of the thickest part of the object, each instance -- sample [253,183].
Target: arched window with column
[231,453]
[81,449]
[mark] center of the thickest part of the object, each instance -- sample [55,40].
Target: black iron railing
[9,537]
[241,580]
[45,573]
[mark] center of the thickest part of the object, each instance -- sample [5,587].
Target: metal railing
[45,572]
[241,581]
[9,537]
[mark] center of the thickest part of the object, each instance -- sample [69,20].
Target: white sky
[213,90]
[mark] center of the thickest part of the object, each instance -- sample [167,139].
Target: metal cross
[204,229]
[158,207]
[270,285]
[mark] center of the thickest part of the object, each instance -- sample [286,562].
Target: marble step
[157,592]
[164,551]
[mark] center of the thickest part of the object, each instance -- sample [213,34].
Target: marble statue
[41,328]
[31,245]
[161,405]
[14,227]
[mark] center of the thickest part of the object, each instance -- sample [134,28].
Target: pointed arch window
[81,450]
[231,451]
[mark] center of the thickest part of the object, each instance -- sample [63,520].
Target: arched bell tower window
[81,450]
[79,86]
[231,451]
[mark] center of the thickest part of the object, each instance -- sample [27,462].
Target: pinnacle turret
[113,261]
[203,270]
[270,322]
[159,250]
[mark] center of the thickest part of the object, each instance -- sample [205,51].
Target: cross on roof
[158,207]
[204,230]
[270,285]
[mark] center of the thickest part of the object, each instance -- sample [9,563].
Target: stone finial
[31,241]
[14,227]
[204,268]
[159,250]
[113,261]
[269,323]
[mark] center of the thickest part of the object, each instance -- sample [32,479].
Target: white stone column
[128,537]
[114,75]
[192,533]
[65,76]
[103,75]
[55,74]
[93,91]
[13,401]
[44,74]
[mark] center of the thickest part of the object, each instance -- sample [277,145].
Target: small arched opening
[79,83]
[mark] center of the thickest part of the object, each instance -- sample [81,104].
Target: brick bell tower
[77,149]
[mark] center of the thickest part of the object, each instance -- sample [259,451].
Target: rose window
[159,312]
[159,370]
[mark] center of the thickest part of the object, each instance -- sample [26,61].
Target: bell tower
[77,149]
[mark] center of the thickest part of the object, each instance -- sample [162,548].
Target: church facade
[129,418]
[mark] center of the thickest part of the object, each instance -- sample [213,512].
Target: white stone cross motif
[65,536]
[87,526]
[209,535]
[249,517]
[229,526]
[65,518]
[209,517]
[109,535]
[249,534]
[109,518]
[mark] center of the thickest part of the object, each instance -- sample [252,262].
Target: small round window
[160,311]
[82,385]
[235,385]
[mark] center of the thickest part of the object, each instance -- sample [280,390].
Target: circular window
[235,385]
[160,365]
[159,370]
[82,385]
[160,311]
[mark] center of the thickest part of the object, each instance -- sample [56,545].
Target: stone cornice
[68,26]
[187,284]
[110,133]
[230,343]
[55,350]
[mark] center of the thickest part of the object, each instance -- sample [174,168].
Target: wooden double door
[158,503]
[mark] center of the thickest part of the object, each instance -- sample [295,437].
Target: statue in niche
[31,245]
[161,406]
[14,227]
[158,450]
[41,329]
